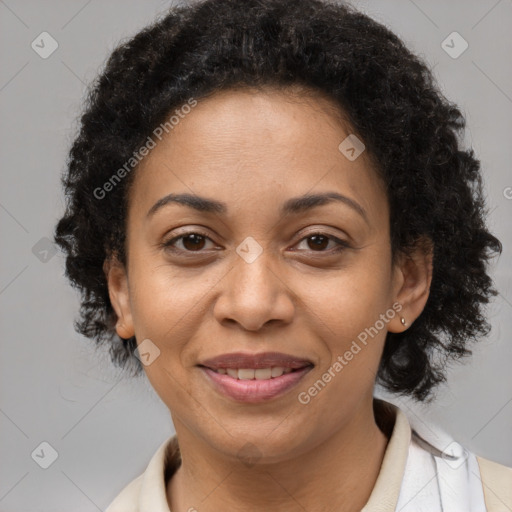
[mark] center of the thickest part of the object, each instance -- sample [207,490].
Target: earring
[402,320]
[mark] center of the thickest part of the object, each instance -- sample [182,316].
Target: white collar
[414,475]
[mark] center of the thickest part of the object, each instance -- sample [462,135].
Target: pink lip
[263,360]
[254,391]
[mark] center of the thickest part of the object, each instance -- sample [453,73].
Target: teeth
[263,373]
[245,374]
[232,373]
[277,371]
[251,373]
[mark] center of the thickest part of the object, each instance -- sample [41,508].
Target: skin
[254,150]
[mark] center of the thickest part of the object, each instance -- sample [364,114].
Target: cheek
[350,299]
[169,307]
[344,322]
[164,300]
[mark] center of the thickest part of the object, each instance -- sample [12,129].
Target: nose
[254,294]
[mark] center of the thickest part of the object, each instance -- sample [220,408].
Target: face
[261,273]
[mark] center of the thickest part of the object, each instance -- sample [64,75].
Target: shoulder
[496,483]
[457,476]
[127,499]
[148,490]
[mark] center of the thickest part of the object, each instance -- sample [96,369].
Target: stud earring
[402,320]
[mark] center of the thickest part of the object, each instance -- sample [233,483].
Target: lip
[255,391]
[263,360]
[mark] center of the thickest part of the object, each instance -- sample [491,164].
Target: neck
[339,474]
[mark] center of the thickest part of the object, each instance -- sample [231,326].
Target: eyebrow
[291,206]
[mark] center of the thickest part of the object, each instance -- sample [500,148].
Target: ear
[412,279]
[117,280]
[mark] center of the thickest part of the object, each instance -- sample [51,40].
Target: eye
[318,242]
[192,241]
[195,241]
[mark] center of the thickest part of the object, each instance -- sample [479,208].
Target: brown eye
[319,242]
[190,242]
[193,242]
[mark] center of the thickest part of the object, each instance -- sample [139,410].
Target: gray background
[54,386]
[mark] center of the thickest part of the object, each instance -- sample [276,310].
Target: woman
[269,213]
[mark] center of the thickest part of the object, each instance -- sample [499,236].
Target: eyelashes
[197,237]
[170,243]
[340,244]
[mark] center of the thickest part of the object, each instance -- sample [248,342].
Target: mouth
[255,377]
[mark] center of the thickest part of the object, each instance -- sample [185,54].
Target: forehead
[240,145]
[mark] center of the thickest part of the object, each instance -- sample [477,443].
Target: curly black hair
[391,101]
